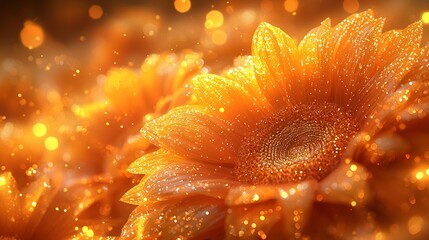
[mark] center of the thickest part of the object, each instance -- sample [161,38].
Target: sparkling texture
[295,141]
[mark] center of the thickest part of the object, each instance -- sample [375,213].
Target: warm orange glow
[425,17]
[2,181]
[351,6]
[182,6]
[51,143]
[32,35]
[39,129]
[214,19]
[291,5]
[95,12]
[219,37]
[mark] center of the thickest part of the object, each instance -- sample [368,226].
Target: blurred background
[106,33]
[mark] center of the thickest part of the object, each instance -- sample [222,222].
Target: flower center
[297,143]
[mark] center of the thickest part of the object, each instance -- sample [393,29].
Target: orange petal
[191,218]
[228,98]
[296,203]
[395,42]
[314,54]
[398,53]
[420,70]
[251,221]
[345,185]
[189,131]
[152,162]
[405,104]
[354,47]
[275,56]
[181,179]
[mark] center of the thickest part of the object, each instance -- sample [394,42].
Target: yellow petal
[274,63]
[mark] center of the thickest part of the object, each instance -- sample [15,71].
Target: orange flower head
[297,140]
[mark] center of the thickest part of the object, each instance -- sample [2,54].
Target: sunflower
[324,139]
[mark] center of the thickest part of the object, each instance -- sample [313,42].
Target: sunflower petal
[296,203]
[346,185]
[275,55]
[399,55]
[395,42]
[181,179]
[314,63]
[190,218]
[229,98]
[354,47]
[152,162]
[189,131]
[420,70]
[251,221]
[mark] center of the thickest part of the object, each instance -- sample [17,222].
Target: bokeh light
[425,17]
[291,5]
[39,129]
[95,12]
[182,6]
[51,143]
[32,35]
[351,6]
[214,19]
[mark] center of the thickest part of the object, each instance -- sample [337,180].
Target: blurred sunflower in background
[325,139]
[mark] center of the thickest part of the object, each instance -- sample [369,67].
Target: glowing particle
[2,181]
[34,204]
[182,6]
[219,37]
[415,224]
[353,168]
[291,5]
[90,233]
[419,175]
[51,143]
[255,197]
[214,19]
[39,129]
[353,203]
[32,35]
[425,17]
[221,109]
[262,218]
[283,194]
[351,6]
